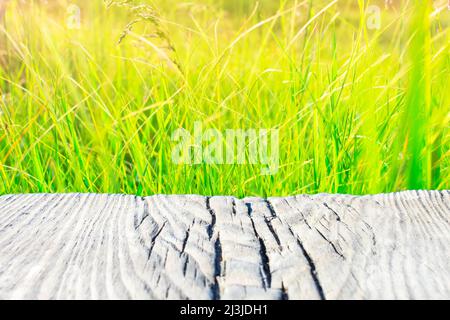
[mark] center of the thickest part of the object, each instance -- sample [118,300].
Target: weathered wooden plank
[192,247]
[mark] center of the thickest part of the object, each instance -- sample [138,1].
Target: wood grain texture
[86,246]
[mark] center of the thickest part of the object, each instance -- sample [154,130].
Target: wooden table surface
[91,246]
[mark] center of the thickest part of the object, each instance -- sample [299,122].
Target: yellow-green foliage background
[358,110]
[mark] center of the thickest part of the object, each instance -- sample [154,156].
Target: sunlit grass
[358,110]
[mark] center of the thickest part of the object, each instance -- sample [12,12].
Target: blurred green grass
[359,110]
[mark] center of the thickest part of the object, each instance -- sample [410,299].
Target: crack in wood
[312,267]
[270,207]
[338,218]
[215,288]
[233,206]
[212,225]
[217,268]
[268,222]
[145,215]
[273,232]
[284,292]
[153,241]
[266,275]
[186,237]
[331,244]
[300,212]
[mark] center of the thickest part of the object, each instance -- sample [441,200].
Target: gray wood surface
[87,246]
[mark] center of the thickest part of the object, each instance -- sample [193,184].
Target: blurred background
[91,92]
